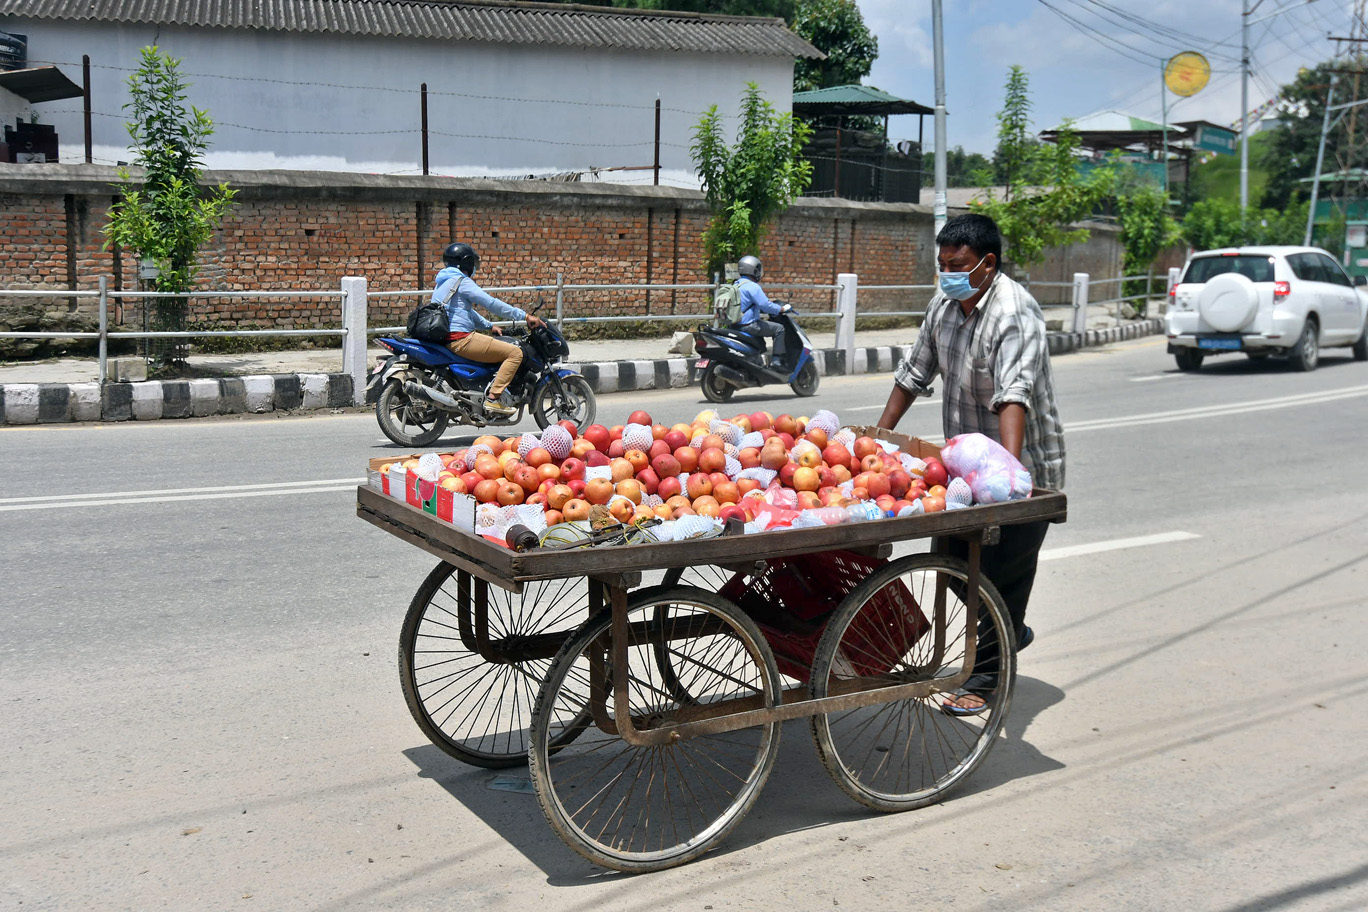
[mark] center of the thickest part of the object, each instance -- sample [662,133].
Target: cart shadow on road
[798,795]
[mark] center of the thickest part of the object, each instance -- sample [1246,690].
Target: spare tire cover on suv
[1228,302]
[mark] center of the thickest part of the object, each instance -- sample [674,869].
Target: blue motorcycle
[730,359]
[424,387]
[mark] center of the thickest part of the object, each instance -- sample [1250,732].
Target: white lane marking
[164,491]
[1116,544]
[871,408]
[1154,377]
[1219,411]
[274,492]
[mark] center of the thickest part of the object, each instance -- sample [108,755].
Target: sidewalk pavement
[68,389]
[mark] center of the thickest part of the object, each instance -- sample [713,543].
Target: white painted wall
[342,103]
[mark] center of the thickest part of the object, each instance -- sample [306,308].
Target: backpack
[429,322]
[727,304]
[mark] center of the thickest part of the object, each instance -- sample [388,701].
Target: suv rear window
[1254,268]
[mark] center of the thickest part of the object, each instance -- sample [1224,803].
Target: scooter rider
[755,303]
[472,336]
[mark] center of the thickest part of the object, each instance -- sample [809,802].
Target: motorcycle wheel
[408,422]
[808,379]
[714,389]
[575,403]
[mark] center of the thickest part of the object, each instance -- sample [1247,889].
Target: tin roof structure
[485,21]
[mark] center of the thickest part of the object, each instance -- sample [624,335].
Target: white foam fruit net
[957,492]
[729,432]
[527,443]
[429,466]
[802,447]
[826,420]
[733,468]
[697,441]
[912,464]
[753,439]
[557,441]
[494,520]
[760,474]
[637,437]
[474,452]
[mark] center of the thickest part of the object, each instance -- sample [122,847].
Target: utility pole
[938,44]
[1244,108]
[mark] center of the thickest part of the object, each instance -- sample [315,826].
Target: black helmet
[463,257]
[750,266]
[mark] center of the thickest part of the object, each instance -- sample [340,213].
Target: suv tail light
[1173,292]
[1281,289]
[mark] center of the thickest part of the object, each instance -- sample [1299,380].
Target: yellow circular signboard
[1187,73]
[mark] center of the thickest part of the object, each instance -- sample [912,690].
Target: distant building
[513,89]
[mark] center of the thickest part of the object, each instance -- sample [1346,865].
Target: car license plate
[701,364]
[1220,344]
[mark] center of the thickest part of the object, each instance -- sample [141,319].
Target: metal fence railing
[573,304]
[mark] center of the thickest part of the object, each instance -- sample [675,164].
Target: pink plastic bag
[993,474]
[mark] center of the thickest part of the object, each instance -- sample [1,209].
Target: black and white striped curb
[48,403]
[45,403]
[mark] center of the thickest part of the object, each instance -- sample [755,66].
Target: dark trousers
[772,330]
[1011,566]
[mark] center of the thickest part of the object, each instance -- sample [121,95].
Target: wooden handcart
[650,715]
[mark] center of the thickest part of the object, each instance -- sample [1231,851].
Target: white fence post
[354,342]
[849,284]
[1080,302]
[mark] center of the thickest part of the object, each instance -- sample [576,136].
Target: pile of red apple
[684,467]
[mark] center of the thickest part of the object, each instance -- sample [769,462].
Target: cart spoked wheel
[478,707]
[646,808]
[908,623]
[709,577]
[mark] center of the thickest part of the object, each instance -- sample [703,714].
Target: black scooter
[730,359]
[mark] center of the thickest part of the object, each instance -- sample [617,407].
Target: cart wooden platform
[649,716]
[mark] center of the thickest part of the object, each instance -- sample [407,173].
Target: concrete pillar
[354,342]
[1080,302]
[845,306]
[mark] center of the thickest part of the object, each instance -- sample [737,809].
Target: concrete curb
[150,400]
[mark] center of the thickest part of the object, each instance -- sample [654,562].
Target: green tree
[166,217]
[836,28]
[1017,149]
[1044,194]
[747,184]
[1290,153]
[963,168]
[1142,210]
[1214,223]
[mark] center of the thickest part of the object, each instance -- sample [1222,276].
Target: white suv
[1289,301]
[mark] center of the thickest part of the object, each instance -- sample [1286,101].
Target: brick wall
[305,230]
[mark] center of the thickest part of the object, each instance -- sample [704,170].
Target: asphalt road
[201,708]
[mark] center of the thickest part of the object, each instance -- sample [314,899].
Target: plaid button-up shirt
[996,355]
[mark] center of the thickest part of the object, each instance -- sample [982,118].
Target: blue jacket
[461,309]
[754,301]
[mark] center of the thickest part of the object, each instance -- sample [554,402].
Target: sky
[1101,62]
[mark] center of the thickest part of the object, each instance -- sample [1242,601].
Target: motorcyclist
[755,303]
[469,334]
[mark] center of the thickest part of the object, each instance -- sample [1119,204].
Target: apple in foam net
[809,457]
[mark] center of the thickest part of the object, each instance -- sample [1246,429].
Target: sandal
[957,707]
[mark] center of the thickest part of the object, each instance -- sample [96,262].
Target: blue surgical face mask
[956,285]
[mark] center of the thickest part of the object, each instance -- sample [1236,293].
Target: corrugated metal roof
[854,99]
[489,21]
